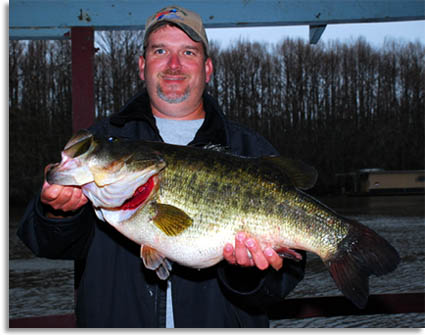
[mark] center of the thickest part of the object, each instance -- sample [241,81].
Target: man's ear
[209,69]
[142,67]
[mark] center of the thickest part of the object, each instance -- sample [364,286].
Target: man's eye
[189,53]
[159,51]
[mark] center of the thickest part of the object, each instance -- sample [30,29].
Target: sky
[374,33]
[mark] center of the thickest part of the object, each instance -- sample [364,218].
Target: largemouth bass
[184,204]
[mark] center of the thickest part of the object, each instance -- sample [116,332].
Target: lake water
[39,287]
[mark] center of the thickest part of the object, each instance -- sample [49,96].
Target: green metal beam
[41,18]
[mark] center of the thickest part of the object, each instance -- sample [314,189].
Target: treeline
[338,106]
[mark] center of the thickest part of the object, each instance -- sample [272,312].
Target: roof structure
[52,19]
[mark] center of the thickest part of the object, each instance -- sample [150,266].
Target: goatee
[172,98]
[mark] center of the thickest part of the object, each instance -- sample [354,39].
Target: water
[40,287]
[37,286]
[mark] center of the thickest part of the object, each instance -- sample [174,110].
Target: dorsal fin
[218,148]
[302,175]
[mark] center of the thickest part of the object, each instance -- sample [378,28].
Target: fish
[183,204]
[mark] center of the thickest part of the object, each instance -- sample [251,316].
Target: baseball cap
[188,21]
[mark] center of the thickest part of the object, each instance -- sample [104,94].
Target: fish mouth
[70,172]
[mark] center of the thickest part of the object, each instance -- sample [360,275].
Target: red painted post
[82,49]
[82,39]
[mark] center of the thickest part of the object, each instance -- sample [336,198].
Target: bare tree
[338,106]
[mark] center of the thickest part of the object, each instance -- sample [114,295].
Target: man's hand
[262,259]
[62,198]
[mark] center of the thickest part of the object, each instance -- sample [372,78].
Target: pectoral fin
[153,260]
[171,220]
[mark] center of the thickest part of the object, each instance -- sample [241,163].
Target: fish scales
[184,204]
[218,183]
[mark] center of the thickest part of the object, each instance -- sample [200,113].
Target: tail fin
[362,253]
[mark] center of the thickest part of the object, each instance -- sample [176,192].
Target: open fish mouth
[117,180]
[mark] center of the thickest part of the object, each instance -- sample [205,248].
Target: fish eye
[112,139]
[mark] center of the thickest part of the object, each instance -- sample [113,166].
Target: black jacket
[115,290]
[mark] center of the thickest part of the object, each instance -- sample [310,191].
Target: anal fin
[153,260]
[289,254]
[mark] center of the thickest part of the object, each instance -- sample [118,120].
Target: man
[115,289]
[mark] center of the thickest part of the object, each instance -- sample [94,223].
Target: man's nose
[174,61]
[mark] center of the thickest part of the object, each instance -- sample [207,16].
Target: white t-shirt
[180,132]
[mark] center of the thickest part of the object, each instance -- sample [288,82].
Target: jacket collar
[212,131]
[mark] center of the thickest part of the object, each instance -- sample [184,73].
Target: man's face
[174,69]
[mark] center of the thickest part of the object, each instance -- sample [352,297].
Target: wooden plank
[49,321]
[337,306]
[290,308]
[82,39]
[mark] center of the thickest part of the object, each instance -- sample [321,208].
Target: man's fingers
[76,199]
[273,258]
[258,257]
[242,256]
[50,193]
[61,198]
[71,198]
[64,198]
[228,254]
[83,200]
[248,252]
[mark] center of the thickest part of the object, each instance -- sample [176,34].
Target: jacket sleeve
[262,288]
[67,238]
